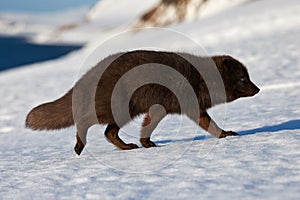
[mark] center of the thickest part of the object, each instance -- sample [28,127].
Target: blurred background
[43,5]
[33,31]
[20,21]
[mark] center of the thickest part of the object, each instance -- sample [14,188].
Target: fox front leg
[210,126]
[155,114]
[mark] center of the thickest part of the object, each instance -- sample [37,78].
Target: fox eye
[243,79]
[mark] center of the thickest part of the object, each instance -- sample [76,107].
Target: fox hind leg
[80,141]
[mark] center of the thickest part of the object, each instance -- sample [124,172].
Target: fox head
[235,78]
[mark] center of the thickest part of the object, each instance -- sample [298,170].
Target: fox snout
[253,89]
[245,89]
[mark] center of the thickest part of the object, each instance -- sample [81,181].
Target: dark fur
[58,114]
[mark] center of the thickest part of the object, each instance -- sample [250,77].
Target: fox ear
[227,63]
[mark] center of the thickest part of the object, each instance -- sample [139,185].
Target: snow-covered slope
[104,17]
[80,25]
[173,12]
[212,7]
[116,13]
[120,15]
[263,163]
[36,24]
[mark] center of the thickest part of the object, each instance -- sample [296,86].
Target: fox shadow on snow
[289,125]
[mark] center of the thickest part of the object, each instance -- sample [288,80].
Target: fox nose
[255,89]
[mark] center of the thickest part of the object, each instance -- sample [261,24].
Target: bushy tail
[53,115]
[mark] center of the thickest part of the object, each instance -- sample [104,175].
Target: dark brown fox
[95,99]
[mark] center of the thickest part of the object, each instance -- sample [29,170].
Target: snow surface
[105,17]
[263,163]
[212,7]
[113,14]
[38,24]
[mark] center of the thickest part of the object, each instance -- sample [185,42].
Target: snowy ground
[263,163]
[39,24]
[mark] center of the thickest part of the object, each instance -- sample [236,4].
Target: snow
[38,24]
[214,6]
[106,11]
[263,163]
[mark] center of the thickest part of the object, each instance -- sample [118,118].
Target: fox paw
[147,143]
[130,146]
[227,133]
[78,148]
